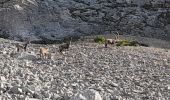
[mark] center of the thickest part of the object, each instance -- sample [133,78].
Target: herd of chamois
[45,52]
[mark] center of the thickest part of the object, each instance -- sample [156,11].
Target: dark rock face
[56,19]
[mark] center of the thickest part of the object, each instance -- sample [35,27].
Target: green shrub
[123,43]
[134,43]
[100,39]
[127,43]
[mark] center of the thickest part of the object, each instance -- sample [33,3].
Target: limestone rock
[15,90]
[87,95]
[24,56]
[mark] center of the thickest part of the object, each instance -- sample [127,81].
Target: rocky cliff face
[55,19]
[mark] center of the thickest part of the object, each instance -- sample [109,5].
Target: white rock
[14,55]
[31,99]
[168,87]
[27,90]
[4,52]
[55,96]
[2,78]
[1,86]
[87,95]
[27,63]
[115,84]
[16,90]
[24,55]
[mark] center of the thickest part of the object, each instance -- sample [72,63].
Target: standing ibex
[22,46]
[65,46]
[44,52]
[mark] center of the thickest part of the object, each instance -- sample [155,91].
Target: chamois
[44,52]
[64,46]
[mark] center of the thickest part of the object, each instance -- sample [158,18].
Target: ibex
[64,46]
[44,53]
[22,46]
[112,41]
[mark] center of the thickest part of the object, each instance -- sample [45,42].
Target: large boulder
[24,56]
[51,20]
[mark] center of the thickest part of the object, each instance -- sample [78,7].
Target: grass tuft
[100,39]
[129,43]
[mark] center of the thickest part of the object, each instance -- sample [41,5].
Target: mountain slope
[115,72]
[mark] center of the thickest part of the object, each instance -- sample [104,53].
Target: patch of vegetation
[130,43]
[100,39]
[123,43]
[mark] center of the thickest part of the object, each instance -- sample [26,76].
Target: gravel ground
[117,73]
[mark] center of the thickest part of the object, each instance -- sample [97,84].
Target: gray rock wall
[55,19]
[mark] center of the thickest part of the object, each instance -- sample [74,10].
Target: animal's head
[44,50]
[27,40]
